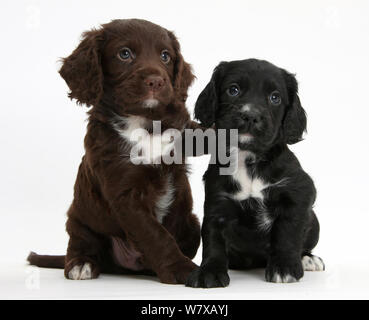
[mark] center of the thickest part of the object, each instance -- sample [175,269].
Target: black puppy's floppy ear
[294,122]
[82,70]
[207,102]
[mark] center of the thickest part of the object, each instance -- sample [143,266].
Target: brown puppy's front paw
[177,273]
[77,270]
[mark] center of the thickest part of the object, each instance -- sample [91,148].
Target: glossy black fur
[232,234]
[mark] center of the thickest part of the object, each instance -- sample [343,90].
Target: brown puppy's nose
[155,83]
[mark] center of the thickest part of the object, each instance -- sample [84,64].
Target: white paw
[312,263]
[81,272]
[277,278]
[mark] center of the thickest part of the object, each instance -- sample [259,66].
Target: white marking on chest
[165,200]
[148,148]
[252,187]
[130,125]
[249,187]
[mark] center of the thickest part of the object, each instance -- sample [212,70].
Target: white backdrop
[41,131]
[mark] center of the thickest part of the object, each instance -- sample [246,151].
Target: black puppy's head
[255,97]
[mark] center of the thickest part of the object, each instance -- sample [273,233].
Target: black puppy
[261,215]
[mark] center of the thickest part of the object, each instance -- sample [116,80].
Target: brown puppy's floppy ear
[82,69]
[207,102]
[294,122]
[183,76]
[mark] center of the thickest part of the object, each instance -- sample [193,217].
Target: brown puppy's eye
[165,57]
[125,54]
[275,98]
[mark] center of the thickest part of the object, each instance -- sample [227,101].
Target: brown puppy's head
[132,64]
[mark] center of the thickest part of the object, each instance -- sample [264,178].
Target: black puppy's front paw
[205,277]
[284,271]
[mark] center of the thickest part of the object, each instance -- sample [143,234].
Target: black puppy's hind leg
[309,261]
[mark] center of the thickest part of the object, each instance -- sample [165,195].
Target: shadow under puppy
[261,215]
[128,217]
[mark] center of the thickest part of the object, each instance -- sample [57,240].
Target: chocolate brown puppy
[126,217]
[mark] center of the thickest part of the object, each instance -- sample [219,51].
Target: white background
[41,131]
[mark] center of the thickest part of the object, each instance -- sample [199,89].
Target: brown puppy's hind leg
[84,252]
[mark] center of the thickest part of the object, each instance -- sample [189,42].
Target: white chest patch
[249,187]
[131,124]
[146,148]
[253,187]
[165,200]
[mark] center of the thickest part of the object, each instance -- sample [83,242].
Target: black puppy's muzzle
[251,118]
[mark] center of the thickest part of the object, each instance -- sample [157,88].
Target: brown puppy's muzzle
[156,85]
[146,84]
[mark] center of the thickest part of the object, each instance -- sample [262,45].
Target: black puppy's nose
[251,118]
[251,115]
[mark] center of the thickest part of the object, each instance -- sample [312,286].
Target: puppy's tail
[46,261]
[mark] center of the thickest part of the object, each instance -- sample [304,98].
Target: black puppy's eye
[125,54]
[165,56]
[233,91]
[275,98]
